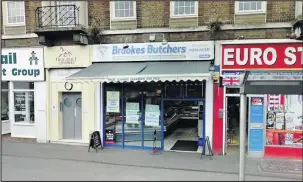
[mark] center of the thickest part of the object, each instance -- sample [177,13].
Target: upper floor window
[184,8]
[15,12]
[123,9]
[250,6]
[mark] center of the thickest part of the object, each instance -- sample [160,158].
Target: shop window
[173,90]
[24,102]
[232,90]
[284,124]
[113,120]
[193,89]
[4,101]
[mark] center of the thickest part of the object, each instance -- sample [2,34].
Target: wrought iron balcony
[56,17]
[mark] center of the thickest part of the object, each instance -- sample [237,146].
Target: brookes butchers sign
[266,56]
[23,64]
[195,50]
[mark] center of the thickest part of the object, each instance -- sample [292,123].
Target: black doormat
[185,145]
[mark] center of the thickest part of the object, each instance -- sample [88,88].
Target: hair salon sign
[24,64]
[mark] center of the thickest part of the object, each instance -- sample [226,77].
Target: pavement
[36,161]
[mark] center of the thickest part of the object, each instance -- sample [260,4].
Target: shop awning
[273,82]
[144,72]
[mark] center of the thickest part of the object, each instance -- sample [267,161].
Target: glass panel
[79,102]
[133,108]
[113,120]
[246,6]
[254,5]
[4,85]
[187,10]
[173,90]
[67,103]
[181,10]
[24,85]
[24,107]
[231,90]
[192,10]
[259,5]
[152,117]
[176,10]
[284,124]
[194,90]
[4,105]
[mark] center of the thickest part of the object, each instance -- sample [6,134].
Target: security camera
[125,46]
[241,37]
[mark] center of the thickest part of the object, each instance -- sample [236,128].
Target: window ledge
[124,19]
[16,25]
[185,16]
[250,12]
[24,124]
[20,36]
[5,121]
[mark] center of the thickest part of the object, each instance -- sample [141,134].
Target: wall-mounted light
[125,45]
[164,41]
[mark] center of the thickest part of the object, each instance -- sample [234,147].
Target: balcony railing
[57,16]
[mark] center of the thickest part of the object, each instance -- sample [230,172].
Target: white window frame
[113,15]
[15,24]
[263,9]
[172,12]
[13,91]
[299,6]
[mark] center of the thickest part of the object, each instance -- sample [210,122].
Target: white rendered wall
[209,112]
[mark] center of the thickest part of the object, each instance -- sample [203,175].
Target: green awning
[144,71]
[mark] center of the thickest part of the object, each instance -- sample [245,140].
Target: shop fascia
[22,64]
[156,51]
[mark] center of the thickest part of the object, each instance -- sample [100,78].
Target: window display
[24,111]
[4,101]
[284,123]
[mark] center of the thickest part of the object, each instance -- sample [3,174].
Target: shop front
[23,87]
[71,105]
[153,95]
[274,96]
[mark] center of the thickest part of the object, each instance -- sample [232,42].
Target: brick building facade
[272,22]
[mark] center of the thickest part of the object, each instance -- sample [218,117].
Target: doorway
[72,115]
[232,123]
[183,122]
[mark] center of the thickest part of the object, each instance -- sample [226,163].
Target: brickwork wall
[202,36]
[30,17]
[280,11]
[20,42]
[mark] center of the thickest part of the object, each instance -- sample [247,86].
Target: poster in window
[132,110]
[113,102]
[152,115]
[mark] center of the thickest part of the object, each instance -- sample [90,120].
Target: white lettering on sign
[245,57]
[290,56]
[255,56]
[228,56]
[261,57]
[273,53]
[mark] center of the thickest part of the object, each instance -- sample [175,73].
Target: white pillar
[209,112]
[242,135]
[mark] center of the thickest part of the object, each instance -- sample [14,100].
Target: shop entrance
[183,121]
[72,115]
[232,123]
